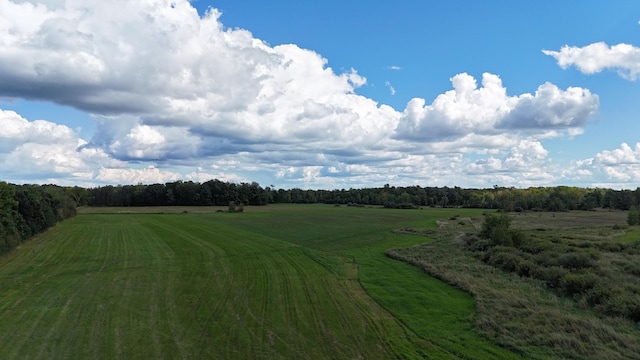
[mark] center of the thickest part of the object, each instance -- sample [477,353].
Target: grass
[434,310]
[277,282]
[522,312]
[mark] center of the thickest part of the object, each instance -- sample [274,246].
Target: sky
[321,95]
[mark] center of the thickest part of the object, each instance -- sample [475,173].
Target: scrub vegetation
[567,282]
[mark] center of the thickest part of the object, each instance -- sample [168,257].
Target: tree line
[27,210]
[219,193]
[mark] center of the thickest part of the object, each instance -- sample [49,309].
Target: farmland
[275,282]
[282,283]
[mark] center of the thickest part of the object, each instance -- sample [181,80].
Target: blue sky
[321,94]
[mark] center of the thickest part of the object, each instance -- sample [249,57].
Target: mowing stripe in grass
[432,309]
[273,285]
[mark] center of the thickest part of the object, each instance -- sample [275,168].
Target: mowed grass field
[276,282]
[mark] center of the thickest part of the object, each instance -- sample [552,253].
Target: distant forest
[218,193]
[26,210]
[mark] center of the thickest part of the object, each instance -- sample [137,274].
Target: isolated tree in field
[497,228]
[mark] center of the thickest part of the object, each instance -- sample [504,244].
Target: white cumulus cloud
[599,56]
[617,168]
[152,175]
[43,148]
[469,109]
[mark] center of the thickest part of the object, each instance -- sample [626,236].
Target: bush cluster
[497,229]
[236,208]
[568,267]
[393,205]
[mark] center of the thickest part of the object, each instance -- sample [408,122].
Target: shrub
[546,259]
[501,236]
[611,247]
[574,284]
[493,222]
[599,294]
[517,237]
[632,268]
[504,260]
[535,246]
[497,229]
[622,305]
[474,243]
[576,260]
[585,245]
[527,268]
[553,276]
[469,239]
[634,249]
[233,208]
[393,205]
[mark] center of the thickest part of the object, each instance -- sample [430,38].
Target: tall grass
[521,311]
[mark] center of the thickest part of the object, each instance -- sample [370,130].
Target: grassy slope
[274,284]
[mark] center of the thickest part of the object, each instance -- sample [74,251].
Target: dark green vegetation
[593,269]
[633,218]
[567,283]
[26,210]
[218,193]
[303,282]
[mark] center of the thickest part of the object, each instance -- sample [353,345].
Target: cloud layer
[176,95]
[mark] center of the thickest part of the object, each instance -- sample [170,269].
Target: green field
[278,282]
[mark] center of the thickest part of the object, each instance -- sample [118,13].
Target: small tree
[236,208]
[497,229]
